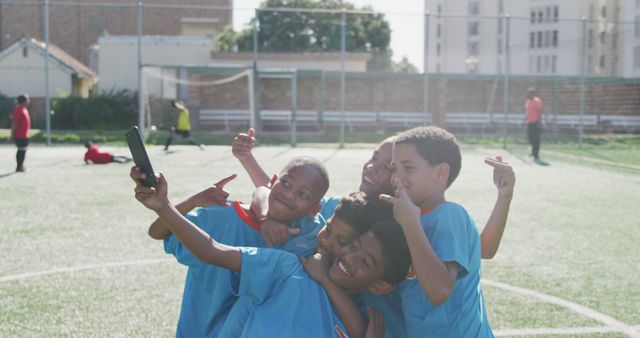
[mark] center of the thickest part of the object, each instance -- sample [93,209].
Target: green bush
[6,105]
[103,111]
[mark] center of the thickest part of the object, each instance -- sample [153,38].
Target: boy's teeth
[342,268]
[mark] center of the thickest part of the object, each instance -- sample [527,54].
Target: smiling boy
[286,301]
[208,295]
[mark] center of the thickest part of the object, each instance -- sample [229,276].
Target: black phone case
[140,156]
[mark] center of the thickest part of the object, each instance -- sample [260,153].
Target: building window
[636,29]
[501,5]
[546,63]
[474,28]
[548,14]
[533,17]
[439,8]
[554,39]
[538,64]
[604,12]
[474,48]
[539,39]
[555,13]
[438,49]
[554,61]
[636,57]
[500,25]
[603,37]
[547,39]
[25,52]
[592,12]
[499,46]
[474,7]
[540,16]
[532,40]
[602,61]
[439,30]
[590,41]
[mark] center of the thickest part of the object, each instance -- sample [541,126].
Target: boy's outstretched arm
[241,149]
[437,278]
[215,195]
[201,245]
[504,179]
[354,321]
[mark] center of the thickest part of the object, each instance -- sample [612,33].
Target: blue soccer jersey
[391,307]
[284,300]
[304,243]
[454,238]
[208,294]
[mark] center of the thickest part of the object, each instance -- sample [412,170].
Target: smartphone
[140,156]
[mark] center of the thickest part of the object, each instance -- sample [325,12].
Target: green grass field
[78,261]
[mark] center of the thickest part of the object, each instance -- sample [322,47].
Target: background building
[76,27]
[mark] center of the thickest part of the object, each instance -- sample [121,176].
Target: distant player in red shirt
[97,156]
[533,116]
[20,125]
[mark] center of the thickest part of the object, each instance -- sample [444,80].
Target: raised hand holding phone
[140,156]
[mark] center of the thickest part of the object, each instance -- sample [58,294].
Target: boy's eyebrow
[360,246]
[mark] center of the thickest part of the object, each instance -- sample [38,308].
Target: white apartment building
[467,36]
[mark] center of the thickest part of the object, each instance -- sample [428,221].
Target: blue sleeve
[263,270]
[329,206]
[173,246]
[449,238]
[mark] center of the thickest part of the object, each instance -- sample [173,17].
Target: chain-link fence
[327,68]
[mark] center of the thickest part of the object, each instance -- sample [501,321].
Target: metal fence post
[583,70]
[294,107]
[425,98]
[254,115]
[507,72]
[47,97]
[343,47]
[141,111]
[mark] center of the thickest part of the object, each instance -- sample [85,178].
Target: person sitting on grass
[97,156]
[207,294]
[287,302]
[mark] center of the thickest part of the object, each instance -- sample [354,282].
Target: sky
[406,29]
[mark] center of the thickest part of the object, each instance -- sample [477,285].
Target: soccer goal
[217,97]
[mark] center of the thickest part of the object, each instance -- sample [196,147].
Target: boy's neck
[432,202]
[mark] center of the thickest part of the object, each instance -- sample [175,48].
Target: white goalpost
[198,86]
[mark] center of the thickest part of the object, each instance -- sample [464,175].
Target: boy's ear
[443,171]
[380,288]
[314,210]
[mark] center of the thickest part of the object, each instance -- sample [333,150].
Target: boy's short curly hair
[360,211]
[436,146]
[23,98]
[307,161]
[394,249]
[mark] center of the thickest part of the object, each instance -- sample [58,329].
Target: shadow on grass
[7,174]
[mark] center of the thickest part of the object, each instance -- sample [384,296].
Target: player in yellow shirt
[182,127]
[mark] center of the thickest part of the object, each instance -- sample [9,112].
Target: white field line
[80,268]
[583,310]
[557,331]
[613,324]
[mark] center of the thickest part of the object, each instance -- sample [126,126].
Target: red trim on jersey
[428,210]
[341,333]
[245,217]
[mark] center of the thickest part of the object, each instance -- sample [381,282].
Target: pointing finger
[224,181]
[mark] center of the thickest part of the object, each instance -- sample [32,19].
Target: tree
[405,66]
[315,32]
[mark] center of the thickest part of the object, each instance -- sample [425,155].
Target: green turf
[572,234]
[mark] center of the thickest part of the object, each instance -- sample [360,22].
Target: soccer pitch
[78,260]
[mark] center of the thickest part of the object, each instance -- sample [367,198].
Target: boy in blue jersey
[375,180]
[441,296]
[208,295]
[286,301]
